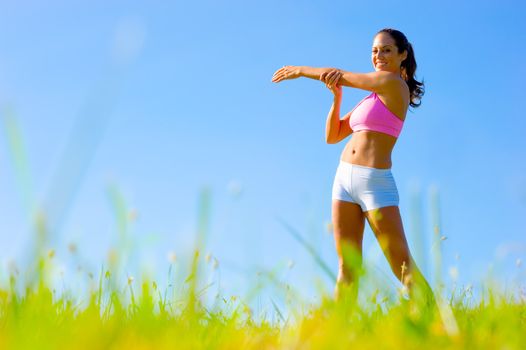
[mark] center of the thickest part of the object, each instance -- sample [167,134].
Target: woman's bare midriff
[369,148]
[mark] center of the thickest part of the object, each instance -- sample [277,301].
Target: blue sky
[162,99]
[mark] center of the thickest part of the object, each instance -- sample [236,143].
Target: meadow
[113,310]
[122,312]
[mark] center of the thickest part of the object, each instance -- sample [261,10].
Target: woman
[364,187]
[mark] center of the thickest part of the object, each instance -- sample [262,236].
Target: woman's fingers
[278,74]
[281,74]
[324,76]
[333,78]
[279,77]
[276,77]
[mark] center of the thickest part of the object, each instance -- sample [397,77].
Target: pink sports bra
[371,114]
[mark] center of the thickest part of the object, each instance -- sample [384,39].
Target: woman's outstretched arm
[313,72]
[293,72]
[379,81]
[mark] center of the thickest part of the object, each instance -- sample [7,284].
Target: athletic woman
[364,187]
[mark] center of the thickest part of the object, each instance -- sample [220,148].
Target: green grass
[141,316]
[122,312]
[117,311]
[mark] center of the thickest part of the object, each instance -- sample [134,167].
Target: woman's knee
[351,253]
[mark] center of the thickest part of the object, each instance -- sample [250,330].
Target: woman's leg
[387,226]
[348,225]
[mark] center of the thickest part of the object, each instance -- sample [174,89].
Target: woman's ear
[404,56]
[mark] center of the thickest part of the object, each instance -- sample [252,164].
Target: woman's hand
[331,78]
[286,72]
[336,90]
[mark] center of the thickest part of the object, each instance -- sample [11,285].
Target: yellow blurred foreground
[145,319]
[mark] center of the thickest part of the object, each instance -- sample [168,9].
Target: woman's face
[384,55]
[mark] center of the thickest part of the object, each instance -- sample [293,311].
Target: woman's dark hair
[408,66]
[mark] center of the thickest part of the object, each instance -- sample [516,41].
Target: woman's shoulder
[397,86]
[393,81]
[396,95]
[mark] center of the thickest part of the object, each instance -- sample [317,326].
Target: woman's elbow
[330,141]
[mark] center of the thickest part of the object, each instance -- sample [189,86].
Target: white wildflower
[172,257]
[290,264]
[453,273]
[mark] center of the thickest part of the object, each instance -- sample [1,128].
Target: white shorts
[371,188]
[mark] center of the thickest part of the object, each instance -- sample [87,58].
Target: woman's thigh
[348,225]
[386,224]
